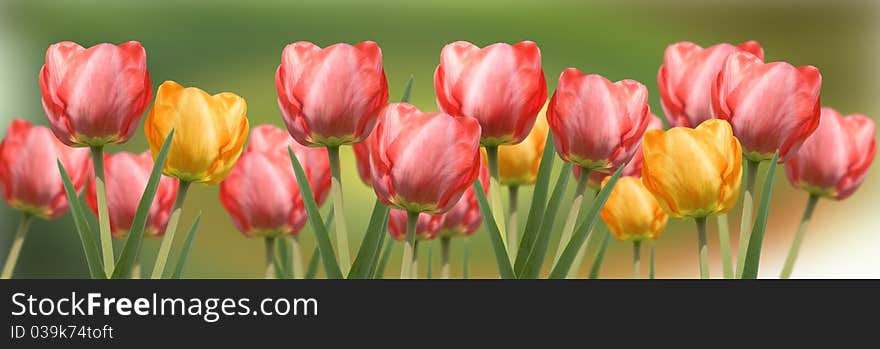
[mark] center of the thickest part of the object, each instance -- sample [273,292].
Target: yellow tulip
[209,131]
[693,173]
[632,213]
[518,163]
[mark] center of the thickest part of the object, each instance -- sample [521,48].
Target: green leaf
[86,237]
[430,274]
[368,254]
[383,262]
[187,246]
[313,264]
[132,247]
[753,255]
[321,235]
[407,90]
[501,256]
[535,259]
[536,210]
[600,256]
[282,259]
[583,229]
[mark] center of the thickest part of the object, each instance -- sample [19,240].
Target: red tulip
[426,227]
[597,124]
[127,176]
[501,85]
[634,167]
[261,193]
[769,105]
[423,162]
[331,96]
[834,160]
[687,76]
[362,159]
[95,96]
[464,218]
[29,172]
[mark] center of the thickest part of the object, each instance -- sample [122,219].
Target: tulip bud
[464,218]
[127,176]
[423,162]
[687,76]
[362,159]
[518,163]
[597,124]
[209,131]
[631,212]
[693,172]
[426,227]
[95,96]
[769,105]
[501,85]
[29,172]
[833,162]
[331,96]
[634,167]
[261,193]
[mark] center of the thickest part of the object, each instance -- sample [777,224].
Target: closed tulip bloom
[693,173]
[29,172]
[261,193]
[834,160]
[632,213]
[423,162]
[95,96]
[597,124]
[331,96]
[687,76]
[633,168]
[209,131]
[769,105]
[426,228]
[500,85]
[518,163]
[362,159]
[127,176]
[464,218]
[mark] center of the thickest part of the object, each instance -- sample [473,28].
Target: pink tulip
[426,227]
[834,160]
[423,162]
[597,124]
[331,96]
[501,85]
[127,176]
[634,167]
[769,105]
[464,218]
[687,76]
[29,172]
[362,159]
[261,193]
[95,96]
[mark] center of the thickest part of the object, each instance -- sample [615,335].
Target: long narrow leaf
[321,235]
[187,246]
[536,210]
[407,90]
[753,254]
[379,272]
[600,256]
[135,238]
[580,233]
[283,269]
[369,252]
[86,237]
[313,264]
[501,257]
[535,259]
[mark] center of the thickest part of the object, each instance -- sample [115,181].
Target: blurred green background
[236,46]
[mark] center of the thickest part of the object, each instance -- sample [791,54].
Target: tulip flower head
[632,213]
[518,163]
[423,162]
[501,85]
[633,168]
[687,76]
[362,159]
[693,173]
[29,172]
[127,176]
[426,228]
[95,96]
[209,131]
[769,105]
[833,162]
[465,218]
[331,96]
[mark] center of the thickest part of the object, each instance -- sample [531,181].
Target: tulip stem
[17,242]
[651,263]
[600,256]
[136,268]
[338,211]
[466,262]
[745,226]
[409,245]
[168,238]
[724,237]
[512,221]
[270,257]
[444,257]
[573,213]
[103,213]
[414,272]
[296,258]
[637,246]
[799,237]
[579,257]
[495,197]
[703,247]
[386,255]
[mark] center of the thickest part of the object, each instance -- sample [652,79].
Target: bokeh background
[236,46]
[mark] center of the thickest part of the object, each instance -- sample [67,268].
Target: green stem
[600,256]
[103,213]
[466,254]
[338,211]
[573,213]
[513,221]
[383,262]
[270,257]
[495,195]
[637,245]
[799,237]
[168,238]
[136,268]
[745,226]
[409,245]
[444,257]
[651,263]
[724,237]
[579,257]
[17,243]
[702,247]
[414,272]
[296,258]
[430,273]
